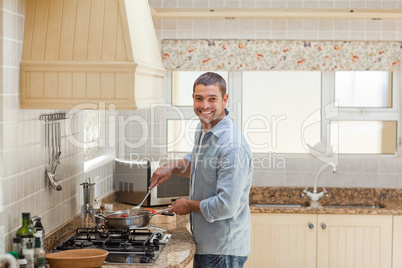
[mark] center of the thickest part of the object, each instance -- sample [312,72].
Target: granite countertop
[359,201]
[181,249]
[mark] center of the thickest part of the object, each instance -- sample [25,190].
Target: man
[220,171]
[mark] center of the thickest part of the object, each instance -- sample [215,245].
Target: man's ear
[225,98]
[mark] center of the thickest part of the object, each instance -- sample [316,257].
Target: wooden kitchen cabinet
[324,241]
[354,241]
[397,242]
[283,240]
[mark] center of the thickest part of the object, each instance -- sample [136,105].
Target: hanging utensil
[47,144]
[134,210]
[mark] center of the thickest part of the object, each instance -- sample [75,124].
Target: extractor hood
[80,54]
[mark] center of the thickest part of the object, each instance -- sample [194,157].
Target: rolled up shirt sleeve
[188,157]
[233,184]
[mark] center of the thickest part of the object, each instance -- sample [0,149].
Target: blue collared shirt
[222,182]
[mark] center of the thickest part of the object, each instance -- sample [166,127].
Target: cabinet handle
[323,226]
[311,226]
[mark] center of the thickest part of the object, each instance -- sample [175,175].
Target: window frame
[358,113]
[327,107]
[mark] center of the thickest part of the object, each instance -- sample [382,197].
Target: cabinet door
[355,241]
[397,242]
[283,241]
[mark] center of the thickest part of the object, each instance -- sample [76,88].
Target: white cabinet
[283,240]
[354,241]
[397,242]
[310,240]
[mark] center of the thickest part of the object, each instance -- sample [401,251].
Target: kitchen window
[281,111]
[364,109]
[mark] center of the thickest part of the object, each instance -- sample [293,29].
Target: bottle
[39,230]
[40,255]
[26,233]
[17,243]
[22,262]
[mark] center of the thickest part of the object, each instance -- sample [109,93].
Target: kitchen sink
[374,206]
[279,205]
[355,206]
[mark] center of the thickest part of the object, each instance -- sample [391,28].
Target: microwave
[131,182]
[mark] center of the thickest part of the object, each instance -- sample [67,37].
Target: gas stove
[139,246]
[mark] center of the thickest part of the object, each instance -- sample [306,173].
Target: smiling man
[220,170]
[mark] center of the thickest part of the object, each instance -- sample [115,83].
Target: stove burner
[83,244]
[124,246]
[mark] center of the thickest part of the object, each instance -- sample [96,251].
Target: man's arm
[184,206]
[162,174]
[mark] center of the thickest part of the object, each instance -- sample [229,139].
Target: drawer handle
[311,226]
[323,226]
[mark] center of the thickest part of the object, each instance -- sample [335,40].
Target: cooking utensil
[55,184]
[116,220]
[134,210]
[77,258]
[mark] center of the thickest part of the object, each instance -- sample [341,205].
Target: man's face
[209,105]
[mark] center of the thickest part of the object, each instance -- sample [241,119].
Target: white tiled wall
[23,187]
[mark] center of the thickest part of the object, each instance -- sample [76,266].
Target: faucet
[314,196]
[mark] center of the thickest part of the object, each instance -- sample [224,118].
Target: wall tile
[389,36]
[185,4]
[357,26]
[326,25]
[342,25]
[232,4]
[310,25]
[373,25]
[326,4]
[279,4]
[247,4]
[294,4]
[310,4]
[341,4]
[169,4]
[263,4]
[201,4]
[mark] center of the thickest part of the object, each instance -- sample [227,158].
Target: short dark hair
[210,78]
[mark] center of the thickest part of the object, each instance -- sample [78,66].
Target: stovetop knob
[158,235]
[156,242]
[149,253]
[144,259]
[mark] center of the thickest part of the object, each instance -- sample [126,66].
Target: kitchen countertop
[339,201]
[180,250]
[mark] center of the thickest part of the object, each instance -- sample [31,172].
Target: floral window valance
[280,55]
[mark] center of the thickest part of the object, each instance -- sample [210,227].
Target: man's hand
[160,175]
[184,206]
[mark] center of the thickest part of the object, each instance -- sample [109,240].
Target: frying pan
[116,220]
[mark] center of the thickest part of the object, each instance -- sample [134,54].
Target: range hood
[81,54]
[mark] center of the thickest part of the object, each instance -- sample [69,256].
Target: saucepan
[122,219]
